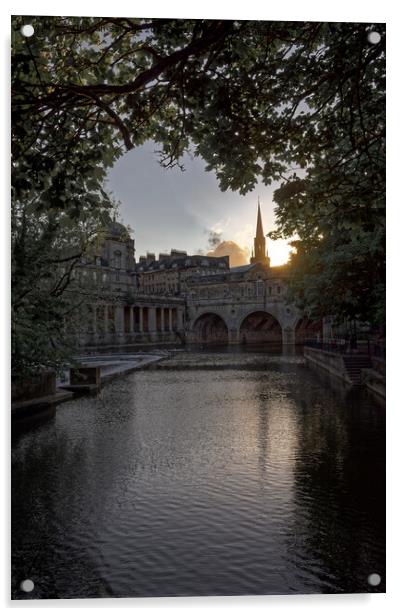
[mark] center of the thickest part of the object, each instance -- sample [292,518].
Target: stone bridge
[219,321]
[266,319]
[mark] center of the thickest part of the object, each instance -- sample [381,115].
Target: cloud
[237,255]
[214,238]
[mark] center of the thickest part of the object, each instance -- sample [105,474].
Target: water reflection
[221,481]
[24,423]
[340,530]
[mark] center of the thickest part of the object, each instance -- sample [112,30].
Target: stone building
[109,265]
[115,312]
[168,275]
[181,298]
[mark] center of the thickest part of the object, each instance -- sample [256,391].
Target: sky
[169,208]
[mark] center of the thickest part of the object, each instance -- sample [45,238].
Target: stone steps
[354,364]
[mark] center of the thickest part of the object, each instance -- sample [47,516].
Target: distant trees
[302,103]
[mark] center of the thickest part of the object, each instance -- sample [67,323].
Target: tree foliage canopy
[251,98]
[299,103]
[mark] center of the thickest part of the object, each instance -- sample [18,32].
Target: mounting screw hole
[27,585]
[27,30]
[374,37]
[374,579]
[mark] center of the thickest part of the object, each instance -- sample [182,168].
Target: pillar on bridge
[131,319]
[233,335]
[170,319]
[288,336]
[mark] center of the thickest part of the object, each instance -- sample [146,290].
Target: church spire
[260,254]
[259,231]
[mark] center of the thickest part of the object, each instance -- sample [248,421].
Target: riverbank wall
[32,394]
[328,361]
[34,397]
[374,381]
[352,369]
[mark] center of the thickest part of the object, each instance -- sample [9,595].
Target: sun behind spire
[260,253]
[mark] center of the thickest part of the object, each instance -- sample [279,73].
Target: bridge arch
[260,326]
[210,328]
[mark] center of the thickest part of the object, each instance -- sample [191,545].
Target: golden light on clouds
[237,255]
[235,236]
[278,251]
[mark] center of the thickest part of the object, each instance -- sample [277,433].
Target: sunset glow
[278,251]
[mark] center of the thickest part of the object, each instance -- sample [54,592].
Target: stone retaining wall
[35,386]
[378,365]
[331,362]
[374,381]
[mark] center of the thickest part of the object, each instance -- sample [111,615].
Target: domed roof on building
[117,230]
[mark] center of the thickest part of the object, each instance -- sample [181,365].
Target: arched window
[117,259]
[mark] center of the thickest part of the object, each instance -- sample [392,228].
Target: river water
[223,474]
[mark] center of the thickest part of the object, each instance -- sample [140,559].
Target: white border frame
[303,10]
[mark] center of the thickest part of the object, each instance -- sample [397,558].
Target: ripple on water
[186,482]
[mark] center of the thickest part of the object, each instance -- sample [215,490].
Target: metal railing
[343,346]
[334,346]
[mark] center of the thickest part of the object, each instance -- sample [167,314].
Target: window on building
[278,288]
[117,259]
